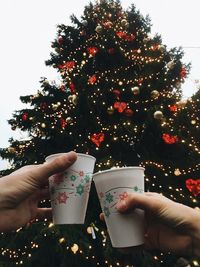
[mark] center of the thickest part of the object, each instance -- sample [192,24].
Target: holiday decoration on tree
[120,100]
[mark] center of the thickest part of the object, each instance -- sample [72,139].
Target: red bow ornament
[69,65]
[92,79]
[169,139]
[120,106]
[193,186]
[92,51]
[25,116]
[173,108]
[72,88]
[97,138]
[63,123]
[183,72]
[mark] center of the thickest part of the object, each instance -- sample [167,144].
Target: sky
[27,29]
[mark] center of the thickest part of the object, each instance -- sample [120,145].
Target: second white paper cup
[69,190]
[113,186]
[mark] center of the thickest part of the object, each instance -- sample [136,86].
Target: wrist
[195,234]
[4,193]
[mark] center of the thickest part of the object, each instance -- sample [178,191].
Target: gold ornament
[13,127]
[193,122]
[99,29]
[57,49]
[73,99]
[68,120]
[110,110]
[155,94]
[177,172]
[124,22]
[135,90]
[62,240]
[43,125]
[158,115]
[83,33]
[170,65]
[84,22]
[74,248]
[54,106]
[162,48]
[89,230]
[178,85]
[11,149]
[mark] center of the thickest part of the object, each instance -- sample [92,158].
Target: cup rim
[118,169]
[78,154]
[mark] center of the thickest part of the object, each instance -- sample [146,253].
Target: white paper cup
[69,191]
[113,186]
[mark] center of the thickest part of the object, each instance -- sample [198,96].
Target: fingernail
[121,206]
[71,156]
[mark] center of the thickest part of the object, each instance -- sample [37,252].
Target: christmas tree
[120,100]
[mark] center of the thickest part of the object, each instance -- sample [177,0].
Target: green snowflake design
[87,178]
[80,189]
[106,211]
[109,198]
[135,188]
[73,178]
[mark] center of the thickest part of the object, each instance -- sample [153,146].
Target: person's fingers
[59,164]
[148,201]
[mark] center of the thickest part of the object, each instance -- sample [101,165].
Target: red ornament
[25,116]
[128,112]
[63,123]
[69,65]
[140,81]
[154,47]
[60,40]
[121,34]
[120,106]
[97,138]
[92,79]
[117,93]
[92,50]
[126,37]
[193,186]
[169,139]
[173,108]
[62,87]
[72,88]
[43,106]
[111,51]
[183,72]
[129,37]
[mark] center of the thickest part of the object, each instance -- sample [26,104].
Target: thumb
[57,165]
[146,201]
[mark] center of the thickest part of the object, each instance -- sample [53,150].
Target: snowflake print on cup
[111,198]
[69,190]
[74,183]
